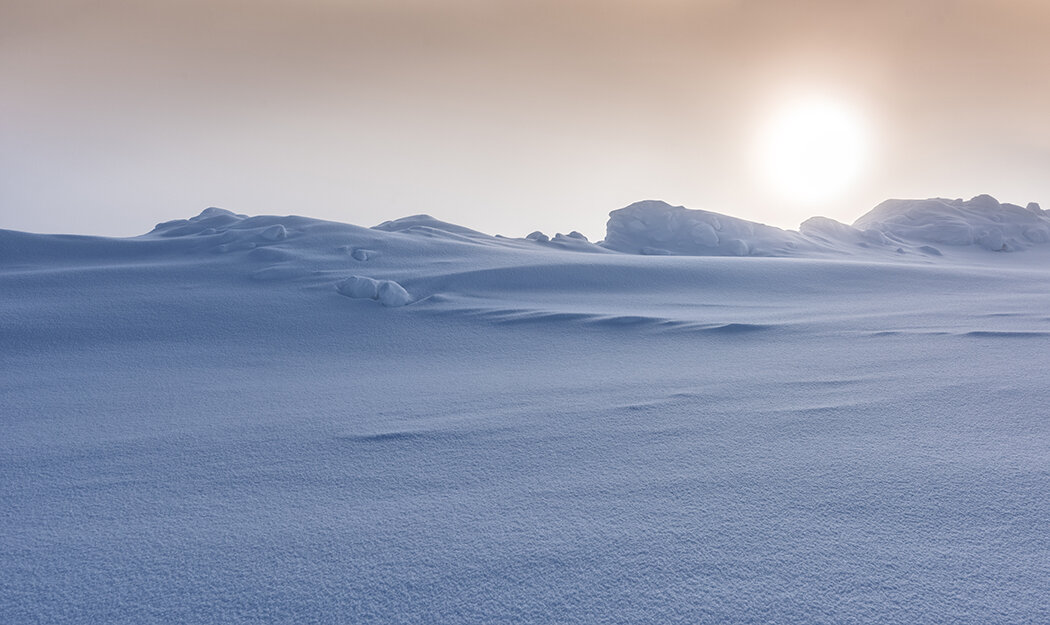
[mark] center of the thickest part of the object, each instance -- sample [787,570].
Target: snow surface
[657,228]
[220,421]
[981,221]
[895,226]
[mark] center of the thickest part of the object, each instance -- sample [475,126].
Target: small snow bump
[276,232]
[537,236]
[984,201]
[359,287]
[386,292]
[214,211]
[392,294]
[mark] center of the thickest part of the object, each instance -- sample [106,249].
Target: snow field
[223,421]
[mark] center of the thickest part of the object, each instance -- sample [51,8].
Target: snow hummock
[386,292]
[427,225]
[654,227]
[980,221]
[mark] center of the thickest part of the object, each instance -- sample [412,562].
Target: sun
[813,149]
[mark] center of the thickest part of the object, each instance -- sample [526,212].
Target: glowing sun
[813,149]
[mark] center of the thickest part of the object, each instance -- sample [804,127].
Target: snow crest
[893,227]
[982,221]
[657,228]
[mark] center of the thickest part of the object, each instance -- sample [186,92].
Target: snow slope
[281,419]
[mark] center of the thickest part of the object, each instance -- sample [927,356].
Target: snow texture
[657,228]
[981,221]
[386,292]
[215,422]
[911,226]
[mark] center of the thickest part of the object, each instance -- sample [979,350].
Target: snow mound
[227,231]
[980,221]
[576,242]
[210,221]
[386,292]
[427,225]
[656,227]
[276,232]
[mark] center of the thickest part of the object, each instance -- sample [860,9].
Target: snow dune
[697,419]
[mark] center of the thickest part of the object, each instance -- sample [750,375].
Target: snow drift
[386,292]
[981,221]
[654,227]
[895,226]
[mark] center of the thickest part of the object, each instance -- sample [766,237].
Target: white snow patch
[386,292]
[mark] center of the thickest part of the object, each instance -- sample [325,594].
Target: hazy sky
[502,116]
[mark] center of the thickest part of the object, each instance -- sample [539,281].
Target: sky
[502,116]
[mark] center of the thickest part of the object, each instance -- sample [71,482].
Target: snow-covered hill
[282,419]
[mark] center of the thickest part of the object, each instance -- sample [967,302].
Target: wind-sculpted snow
[386,292]
[224,420]
[428,226]
[654,227]
[981,221]
[901,227]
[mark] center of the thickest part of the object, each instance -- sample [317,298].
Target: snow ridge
[982,221]
[899,227]
[654,227]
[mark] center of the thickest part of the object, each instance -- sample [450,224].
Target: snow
[980,221]
[912,226]
[386,292]
[225,420]
[655,227]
